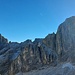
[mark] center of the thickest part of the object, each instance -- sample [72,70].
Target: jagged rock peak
[3,39]
[50,41]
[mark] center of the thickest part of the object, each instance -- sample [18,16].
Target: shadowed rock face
[50,41]
[25,56]
[3,40]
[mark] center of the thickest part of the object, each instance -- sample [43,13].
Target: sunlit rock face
[26,56]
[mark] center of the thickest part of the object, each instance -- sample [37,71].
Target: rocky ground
[61,69]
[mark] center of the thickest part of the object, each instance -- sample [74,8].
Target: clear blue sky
[29,19]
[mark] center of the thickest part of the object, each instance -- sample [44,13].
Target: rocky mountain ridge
[51,50]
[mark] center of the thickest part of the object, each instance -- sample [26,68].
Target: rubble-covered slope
[61,69]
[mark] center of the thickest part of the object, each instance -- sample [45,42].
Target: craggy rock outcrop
[22,57]
[50,41]
[3,40]
[51,50]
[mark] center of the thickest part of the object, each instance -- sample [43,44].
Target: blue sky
[30,19]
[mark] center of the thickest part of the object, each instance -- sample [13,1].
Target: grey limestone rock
[65,38]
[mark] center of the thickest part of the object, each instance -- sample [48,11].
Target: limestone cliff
[65,38]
